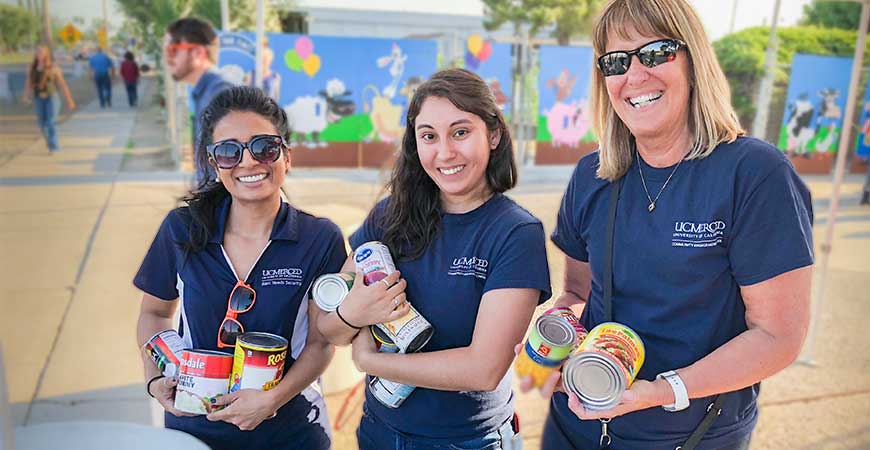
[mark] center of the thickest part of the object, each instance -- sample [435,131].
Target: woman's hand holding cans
[380,302]
[163,391]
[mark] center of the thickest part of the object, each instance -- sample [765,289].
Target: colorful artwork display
[814,104]
[564,117]
[862,149]
[492,62]
[334,89]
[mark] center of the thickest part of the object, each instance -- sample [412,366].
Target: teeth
[452,171]
[252,178]
[644,100]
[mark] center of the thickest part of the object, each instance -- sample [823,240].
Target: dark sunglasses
[265,148]
[241,300]
[650,54]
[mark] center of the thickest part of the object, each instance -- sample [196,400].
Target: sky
[715,14]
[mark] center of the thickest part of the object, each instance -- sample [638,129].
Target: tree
[832,15]
[573,18]
[16,27]
[243,14]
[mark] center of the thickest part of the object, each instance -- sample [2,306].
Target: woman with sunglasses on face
[235,259]
[711,241]
[472,262]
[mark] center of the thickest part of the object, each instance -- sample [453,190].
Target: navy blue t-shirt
[498,245]
[735,218]
[301,248]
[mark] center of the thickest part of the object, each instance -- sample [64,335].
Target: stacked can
[204,376]
[390,393]
[258,361]
[410,333]
[604,366]
[165,348]
[329,290]
[550,342]
[568,314]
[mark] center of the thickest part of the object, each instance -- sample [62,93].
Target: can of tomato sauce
[258,362]
[165,349]
[550,341]
[203,376]
[329,290]
[604,366]
[410,333]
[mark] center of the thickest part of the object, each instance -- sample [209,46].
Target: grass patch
[15,58]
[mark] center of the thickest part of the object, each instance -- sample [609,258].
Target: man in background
[102,71]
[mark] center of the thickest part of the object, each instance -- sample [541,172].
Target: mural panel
[492,62]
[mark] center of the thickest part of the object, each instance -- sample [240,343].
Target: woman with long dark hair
[471,261]
[237,233]
[42,81]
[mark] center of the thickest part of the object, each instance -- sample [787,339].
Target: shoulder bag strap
[615,187]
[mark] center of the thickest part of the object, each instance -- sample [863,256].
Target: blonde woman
[711,243]
[42,81]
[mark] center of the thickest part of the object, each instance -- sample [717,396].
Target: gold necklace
[652,201]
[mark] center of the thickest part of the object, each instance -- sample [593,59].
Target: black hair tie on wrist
[148,385]
[345,321]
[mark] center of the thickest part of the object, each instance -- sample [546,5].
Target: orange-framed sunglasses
[241,300]
[172,49]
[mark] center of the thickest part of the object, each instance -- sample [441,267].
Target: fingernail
[173,379]
[213,400]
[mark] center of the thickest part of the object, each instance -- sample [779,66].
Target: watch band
[681,396]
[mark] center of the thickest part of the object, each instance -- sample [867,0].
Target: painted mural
[862,148]
[492,62]
[564,117]
[814,105]
[334,89]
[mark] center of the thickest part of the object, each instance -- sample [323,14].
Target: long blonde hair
[712,119]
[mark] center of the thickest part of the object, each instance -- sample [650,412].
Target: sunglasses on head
[172,49]
[241,300]
[650,54]
[264,148]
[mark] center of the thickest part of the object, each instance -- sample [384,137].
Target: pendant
[652,206]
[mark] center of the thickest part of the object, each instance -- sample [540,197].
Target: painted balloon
[293,61]
[303,47]
[475,43]
[485,52]
[311,65]
[471,62]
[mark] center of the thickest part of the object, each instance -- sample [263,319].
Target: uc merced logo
[698,234]
[469,267]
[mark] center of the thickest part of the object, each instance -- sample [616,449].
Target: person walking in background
[190,52]
[130,74]
[102,71]
[42,81]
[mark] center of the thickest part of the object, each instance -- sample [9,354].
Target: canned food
[568,314]
[550,342]
[203,376]
[604,366]
[258,362]
[383,340]
[330,290]
[165,348]
[410,333]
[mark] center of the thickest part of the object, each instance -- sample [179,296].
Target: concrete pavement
[75,226]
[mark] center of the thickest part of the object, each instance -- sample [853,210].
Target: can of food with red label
[604,366]
[568,314]
[329,290]
[165,348]
[410,333]
[550,341]
[258,362]
[203,376]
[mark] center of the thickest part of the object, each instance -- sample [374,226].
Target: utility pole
[261,39]
[46,25]
[759,125]
[733,16]
[225,15]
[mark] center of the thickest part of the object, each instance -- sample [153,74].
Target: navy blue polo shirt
[735,218]
[498,245]
[301,248]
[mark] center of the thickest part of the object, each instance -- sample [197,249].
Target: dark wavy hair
[412,216]
[204,200]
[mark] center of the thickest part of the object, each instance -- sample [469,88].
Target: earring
[217,178]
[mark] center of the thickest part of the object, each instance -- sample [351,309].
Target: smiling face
[652,102]
[454,148]
[251,180]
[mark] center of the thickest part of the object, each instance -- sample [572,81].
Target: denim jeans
[373,434]
[104,89]
[132,95]
[45,116]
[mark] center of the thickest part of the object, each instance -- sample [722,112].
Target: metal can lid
[262,341]
[329,291]
[556,330]
[381,336]
[596,379]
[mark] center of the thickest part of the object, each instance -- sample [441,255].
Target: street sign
[103,38]
[70,34]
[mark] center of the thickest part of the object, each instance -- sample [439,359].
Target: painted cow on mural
[829,115]
[309,115]
[799,125]
[386,117]
[567,122]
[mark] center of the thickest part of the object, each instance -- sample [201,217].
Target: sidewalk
[75,225]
